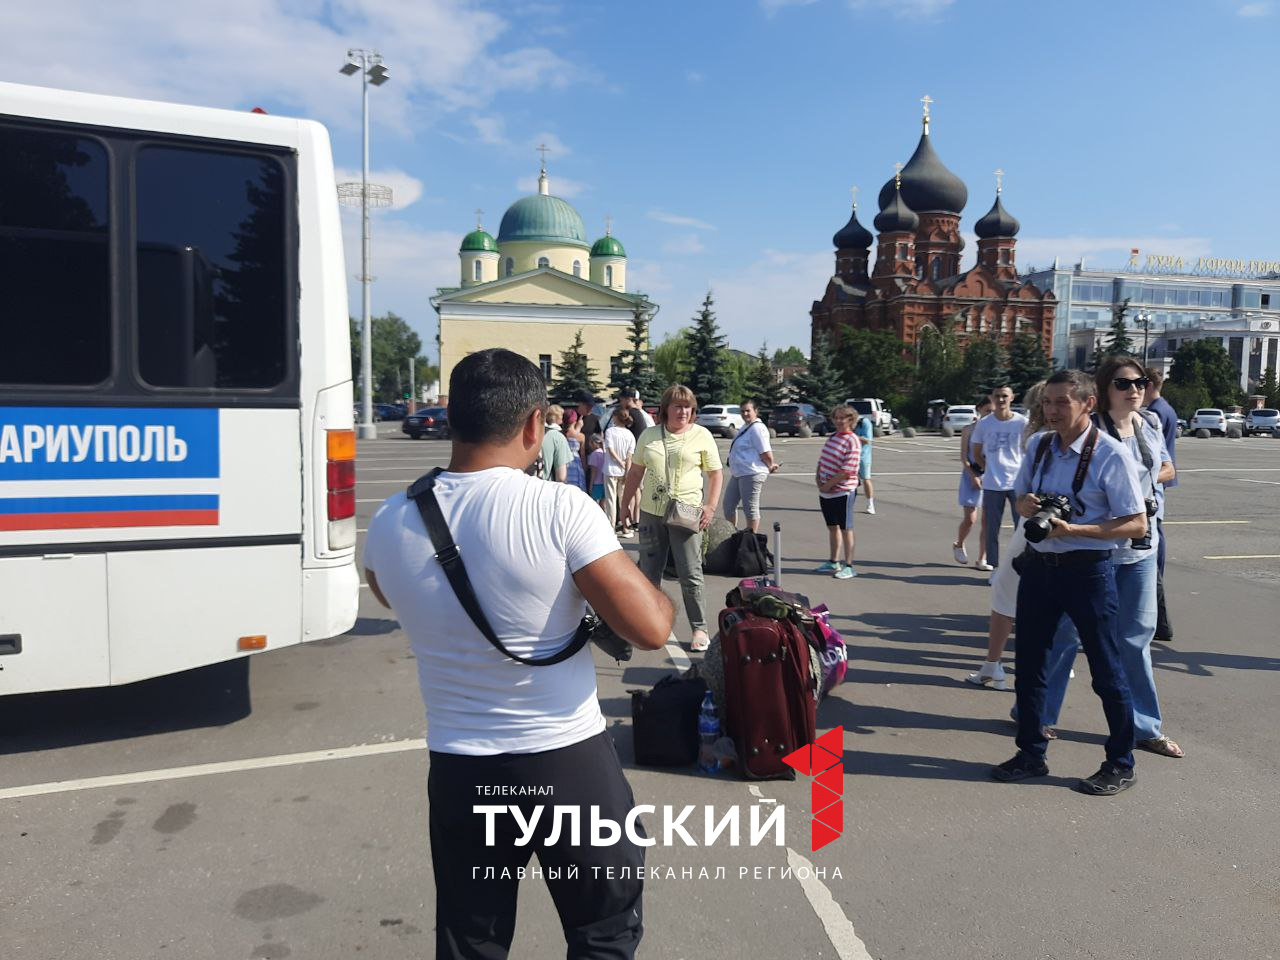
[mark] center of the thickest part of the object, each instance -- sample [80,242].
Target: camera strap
[1148,460]
[1041,463]
[423,495]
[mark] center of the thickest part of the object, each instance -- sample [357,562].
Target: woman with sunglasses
[1121,387]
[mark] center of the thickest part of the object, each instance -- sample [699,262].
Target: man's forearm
[1128,528]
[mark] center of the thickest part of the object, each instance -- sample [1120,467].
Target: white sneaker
[983,566]
[959,553]
[871,507]
[990,675]
[700,642]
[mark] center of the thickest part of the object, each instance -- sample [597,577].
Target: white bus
[177,458]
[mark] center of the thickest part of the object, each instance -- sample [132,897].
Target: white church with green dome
[534,287]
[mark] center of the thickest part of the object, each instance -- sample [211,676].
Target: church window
[1004,256]
[615,368]
[608,275]
[937,267]
[543,262]
[544,363]
[577,268]
[511,266]
[475,269]
[902,251]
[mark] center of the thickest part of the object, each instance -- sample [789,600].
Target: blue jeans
[993,502]
[1085,593]
[1136,591]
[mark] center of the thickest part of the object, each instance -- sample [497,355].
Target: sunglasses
[1125,384]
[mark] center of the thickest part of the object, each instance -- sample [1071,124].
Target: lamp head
[378,75]
[352,66]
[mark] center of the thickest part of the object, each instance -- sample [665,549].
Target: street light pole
[369,65]
[1144,318]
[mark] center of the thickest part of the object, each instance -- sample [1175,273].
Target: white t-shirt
[744,452]
[521,539]
[1001,447]
[622,443]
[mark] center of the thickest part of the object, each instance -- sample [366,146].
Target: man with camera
[1079,493]
[493,602]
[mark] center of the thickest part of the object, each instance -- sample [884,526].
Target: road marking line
[1198,523]
[678,657]
[1274,483]
[1248,556]
[1231,469]
[877,474]
[211,769]
[840,932]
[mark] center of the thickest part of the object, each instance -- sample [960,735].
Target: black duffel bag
[664,721]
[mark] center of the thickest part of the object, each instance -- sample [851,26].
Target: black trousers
[476,915]
[1164,629]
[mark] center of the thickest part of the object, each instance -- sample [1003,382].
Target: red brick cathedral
[916,279]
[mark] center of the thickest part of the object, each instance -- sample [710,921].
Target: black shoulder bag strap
[1148,459]
[423,494]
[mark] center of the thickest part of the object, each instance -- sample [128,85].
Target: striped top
[840,454]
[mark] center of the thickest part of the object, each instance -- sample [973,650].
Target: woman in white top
[750,463]
[619,447]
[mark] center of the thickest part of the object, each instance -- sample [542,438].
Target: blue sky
[722,137]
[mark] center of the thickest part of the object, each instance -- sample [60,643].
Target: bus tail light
[258,642]
[340,486]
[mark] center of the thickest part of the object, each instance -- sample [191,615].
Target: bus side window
[211,276]
[55,328]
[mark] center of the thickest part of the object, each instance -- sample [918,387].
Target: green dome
[608,246]
[478,240]
[545,219]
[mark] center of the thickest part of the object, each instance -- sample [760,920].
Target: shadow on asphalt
[210,696]
[1198,663]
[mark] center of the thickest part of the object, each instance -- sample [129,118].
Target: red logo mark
[824,761]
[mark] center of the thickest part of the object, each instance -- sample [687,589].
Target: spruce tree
[762,384]
[1269,388]
[706,345]
[635,368]
[573,374]
[1027,363]
[1119,343]
[820,385]
[986,366]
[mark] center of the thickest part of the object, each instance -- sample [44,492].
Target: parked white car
[1262,420]
[959,417]
[1209,418]
[723,420]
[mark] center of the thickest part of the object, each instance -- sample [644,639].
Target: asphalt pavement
[276,807]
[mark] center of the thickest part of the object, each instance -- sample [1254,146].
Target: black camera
[602,636]
[1144,542]
[1039,526]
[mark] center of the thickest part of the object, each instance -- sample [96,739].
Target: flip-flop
[1163,746]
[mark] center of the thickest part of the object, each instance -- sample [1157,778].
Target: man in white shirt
[531,736]
[996,447]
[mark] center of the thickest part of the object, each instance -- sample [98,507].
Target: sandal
[1163,746]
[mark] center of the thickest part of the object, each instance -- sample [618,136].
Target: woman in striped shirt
[837,480]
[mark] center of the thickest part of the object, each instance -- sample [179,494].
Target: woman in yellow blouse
[676,460]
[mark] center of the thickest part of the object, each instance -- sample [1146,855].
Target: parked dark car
[798,420]
[427,422]
[388,411]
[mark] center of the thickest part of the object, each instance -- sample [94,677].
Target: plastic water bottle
[708,734]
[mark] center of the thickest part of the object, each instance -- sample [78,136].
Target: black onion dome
[853,235]
[897,217]
[927,185]
[997,223]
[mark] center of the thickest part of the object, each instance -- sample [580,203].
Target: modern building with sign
[1172,300]
[533,288]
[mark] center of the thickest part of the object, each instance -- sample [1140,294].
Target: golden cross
[999,180]
[854,192]
[926,100]
[608,225]
[479,214]
[542,149]
[897,175]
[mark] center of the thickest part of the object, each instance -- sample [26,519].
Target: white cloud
[491,130]
[408,264]
[560,186]
[903,9]
[1254,10]
[241,53]
[678,221]
[689,243]
[770,7]
[406,189]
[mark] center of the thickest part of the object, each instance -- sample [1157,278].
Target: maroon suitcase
[770,707]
